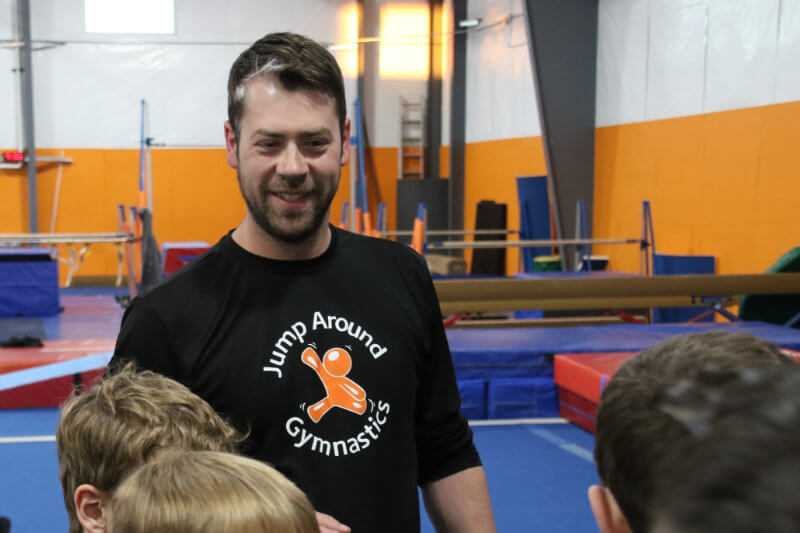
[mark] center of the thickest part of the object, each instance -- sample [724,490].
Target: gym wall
[86,102]
[698,110]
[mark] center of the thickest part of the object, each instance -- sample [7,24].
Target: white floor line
[569,447]
[27,440]
[519,422]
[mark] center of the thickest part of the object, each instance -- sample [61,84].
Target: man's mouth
[293,199]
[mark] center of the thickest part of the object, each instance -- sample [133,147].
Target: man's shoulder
[381,249]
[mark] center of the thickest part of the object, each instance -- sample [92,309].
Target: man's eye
[317,143]
[268,145]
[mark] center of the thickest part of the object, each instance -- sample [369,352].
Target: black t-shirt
[337,367]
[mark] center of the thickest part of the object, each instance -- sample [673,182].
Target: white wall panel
[788,62]
[202,20]
[7,10]
[669,58]
[741,54]
[95,103]
[9,81]
[501,101]
[87,92]
[676,60]
[621,61]
[387,108]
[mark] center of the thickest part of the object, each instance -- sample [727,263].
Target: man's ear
[346,146]
[90,504]
[231,146]
[606,511]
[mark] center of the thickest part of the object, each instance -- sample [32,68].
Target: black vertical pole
[458,108]
[433,107]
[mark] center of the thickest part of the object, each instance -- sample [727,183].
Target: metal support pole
[26,96]
[433,103]
[458,106]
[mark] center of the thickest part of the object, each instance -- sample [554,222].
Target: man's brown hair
[209,492]
[633,435]
[298,63]
[121,422]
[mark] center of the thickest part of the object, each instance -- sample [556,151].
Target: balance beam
[605,293]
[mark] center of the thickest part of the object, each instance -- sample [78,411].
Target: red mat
[12,359]
[581,379]
[177,255]
[50,392]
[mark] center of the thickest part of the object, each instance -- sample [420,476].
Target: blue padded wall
[681,264]
[534,215]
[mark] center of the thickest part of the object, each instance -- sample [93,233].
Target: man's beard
[269,221]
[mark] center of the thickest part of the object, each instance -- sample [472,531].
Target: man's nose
[292,164]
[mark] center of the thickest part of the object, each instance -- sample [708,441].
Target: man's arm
[459,503]
[450,473]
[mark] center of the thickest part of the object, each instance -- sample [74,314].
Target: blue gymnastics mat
[501,348]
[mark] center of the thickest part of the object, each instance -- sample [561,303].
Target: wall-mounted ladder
[411,139]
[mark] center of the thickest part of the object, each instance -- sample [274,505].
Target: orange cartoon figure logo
[340,390]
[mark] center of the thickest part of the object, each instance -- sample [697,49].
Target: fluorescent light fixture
[469,23]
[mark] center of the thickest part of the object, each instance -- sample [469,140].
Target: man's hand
[328,524]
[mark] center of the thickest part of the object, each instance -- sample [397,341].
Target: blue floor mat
[538,476]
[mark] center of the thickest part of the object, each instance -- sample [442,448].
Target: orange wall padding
[725,184]
[196,196]
[13,201]
[492,168]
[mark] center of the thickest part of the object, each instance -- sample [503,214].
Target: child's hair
[209,492]
[633,435]
[739,471]
[121,422]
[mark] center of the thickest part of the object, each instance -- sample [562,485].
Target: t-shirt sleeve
[144,340]
[444,439]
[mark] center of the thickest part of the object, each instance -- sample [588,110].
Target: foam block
[581,379]
[176,255]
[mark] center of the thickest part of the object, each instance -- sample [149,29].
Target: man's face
[288,158]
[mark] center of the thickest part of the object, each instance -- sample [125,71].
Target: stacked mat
[581,379]
[28,283]
[510,372]
[502,380]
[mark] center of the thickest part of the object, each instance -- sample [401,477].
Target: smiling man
[325,347]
